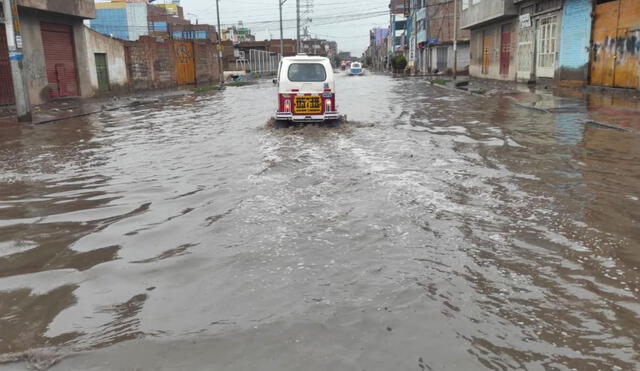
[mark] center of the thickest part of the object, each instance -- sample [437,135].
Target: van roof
[305,58]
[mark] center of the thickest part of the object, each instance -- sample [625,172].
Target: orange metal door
[627,59]
[185,64]
[486,52]
[616,31]
[604,43]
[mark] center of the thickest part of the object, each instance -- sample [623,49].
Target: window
[474,2]
[307,72]
[465,4]
[159,26]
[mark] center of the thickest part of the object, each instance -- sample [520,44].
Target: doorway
[486,52]
[505,49]
[547,46]
[102,71]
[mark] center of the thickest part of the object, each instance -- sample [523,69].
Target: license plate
[308,105]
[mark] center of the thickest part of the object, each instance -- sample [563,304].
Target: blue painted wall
[111,22]
[575,40]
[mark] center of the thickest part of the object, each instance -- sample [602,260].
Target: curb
[607,126]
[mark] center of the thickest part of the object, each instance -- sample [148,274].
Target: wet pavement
[433,230]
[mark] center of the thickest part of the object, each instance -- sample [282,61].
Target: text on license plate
[308,104]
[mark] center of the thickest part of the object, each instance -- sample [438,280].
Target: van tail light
[327,105]
[287,105]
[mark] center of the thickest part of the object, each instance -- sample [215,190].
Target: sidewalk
[75,107]
[613,108]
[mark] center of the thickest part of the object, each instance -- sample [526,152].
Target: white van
[356,69]
[306,89]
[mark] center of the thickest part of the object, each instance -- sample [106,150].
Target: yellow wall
[171,8]
[115,4]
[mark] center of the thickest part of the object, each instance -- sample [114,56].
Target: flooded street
[433,230]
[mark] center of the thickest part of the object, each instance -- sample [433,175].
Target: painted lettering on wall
[622,47]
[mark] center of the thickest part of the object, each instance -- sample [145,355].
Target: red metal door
[505,49]
[60,59]
[6,83]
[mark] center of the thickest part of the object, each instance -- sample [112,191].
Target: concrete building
[62,58]
[320,47]
[238,34]
[131,19]
[397,24]
[493,26]
[435,41]
[539,39]
[125,20]
[422,53]
[375,57]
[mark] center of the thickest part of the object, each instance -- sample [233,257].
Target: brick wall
[138,67]
[151,63]
[164,63]
[440,22]
[574,42]
[206,60]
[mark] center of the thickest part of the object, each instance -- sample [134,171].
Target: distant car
[356,69]
[306,89]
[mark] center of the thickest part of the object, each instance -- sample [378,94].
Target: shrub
[399,63]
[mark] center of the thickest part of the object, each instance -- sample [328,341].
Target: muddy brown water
[434,230]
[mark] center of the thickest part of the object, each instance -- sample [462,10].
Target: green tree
[399,63]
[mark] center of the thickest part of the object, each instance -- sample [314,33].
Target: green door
[103,72]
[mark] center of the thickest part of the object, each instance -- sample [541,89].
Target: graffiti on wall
[622,47]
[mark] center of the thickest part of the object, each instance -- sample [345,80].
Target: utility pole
[14,42]
[281,32]
[299,45]
[455,39]
[220,47]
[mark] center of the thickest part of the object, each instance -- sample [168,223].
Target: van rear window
[307,72]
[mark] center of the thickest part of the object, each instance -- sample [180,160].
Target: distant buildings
[375,57]
[320,47]
[238,34]
[131,19]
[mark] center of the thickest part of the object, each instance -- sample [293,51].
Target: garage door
[60,59]
[6,84]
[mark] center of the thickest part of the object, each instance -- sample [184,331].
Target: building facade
[438,48]
[321,47]
[397,43]
[125,20]
[539,39]
[493,25]
[131,19]
[238,34]
[375,57]
[62,58]
[560,42]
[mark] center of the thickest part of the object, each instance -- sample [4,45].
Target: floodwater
[433,230]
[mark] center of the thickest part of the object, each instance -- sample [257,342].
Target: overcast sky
[347,22]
